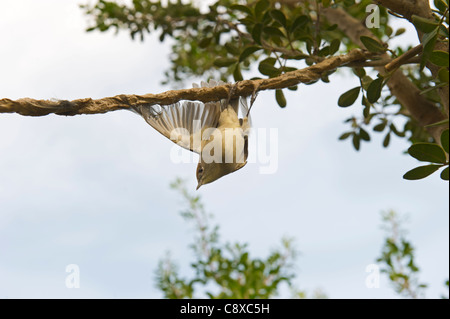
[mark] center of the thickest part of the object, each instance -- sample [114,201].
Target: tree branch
[421,8]
[31,107]
[420,108]
[404,58]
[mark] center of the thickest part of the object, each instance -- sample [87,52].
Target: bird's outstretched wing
[182,122]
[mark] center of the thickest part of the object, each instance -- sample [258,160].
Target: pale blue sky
[94,190]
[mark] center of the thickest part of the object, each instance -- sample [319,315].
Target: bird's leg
[231,90]
[253,98]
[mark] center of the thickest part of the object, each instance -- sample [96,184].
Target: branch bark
[31,107]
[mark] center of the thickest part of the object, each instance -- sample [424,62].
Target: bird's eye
[200,170]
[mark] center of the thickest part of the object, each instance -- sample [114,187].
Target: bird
[218,131]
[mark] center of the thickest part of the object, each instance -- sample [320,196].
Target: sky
[93,190]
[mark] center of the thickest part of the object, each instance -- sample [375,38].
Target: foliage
[397,259]
[430,152]
[223,270]
[275,37]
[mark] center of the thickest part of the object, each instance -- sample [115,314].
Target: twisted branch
[31,107]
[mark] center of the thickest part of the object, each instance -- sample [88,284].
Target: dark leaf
[349,97]
[247,52]
[364,135]
[237,75]
[444,174]
[439,58]
[268,70]
[256,33]
[261,6]
[272,31]
[326,3]
[223,62]
[395,131]
[372,45]
[387,140]
[231,48]
[441,5]
[359,72]
[428,41]
[380,127]
[345,135]
[204,42]
[278,15]
[444,140]
[400,32]
[443,75]
[427,152]
[299,22]
[374,90]
[334,46]
[242,8]
[356,142]
[421,172]
[279,96]
[424,25]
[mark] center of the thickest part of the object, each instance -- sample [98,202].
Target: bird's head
[209,172]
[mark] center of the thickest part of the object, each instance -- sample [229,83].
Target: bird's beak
[199,184]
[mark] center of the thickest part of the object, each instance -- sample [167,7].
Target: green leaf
[374,90]
[428,41]
[204,42]
[334,46]
[424,25]
[364,135]
[242,8]
[400,32]
[444,140]
[366,80]
[256,32]
[247,52]
[356,142]
[345,135]
[274,32]
[421,172]
[359,72]
[444,174]
[279,96]
[395,131]
[223,62]
[440,5]
[261,6]
[439,58]
[443,75]
[268,70]
[299,22]
[269,60]
[231,48]
[387,140]
[279,16]
[372,45]
[380,127]
[237,75]
[427,152]
[349,97]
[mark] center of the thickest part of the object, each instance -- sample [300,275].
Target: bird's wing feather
[182,122]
